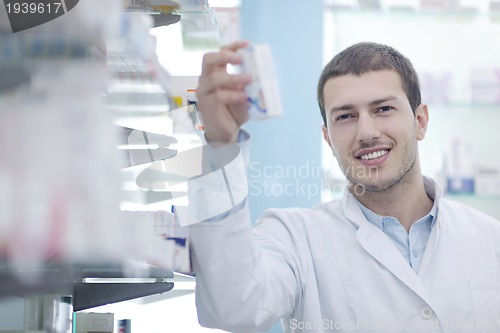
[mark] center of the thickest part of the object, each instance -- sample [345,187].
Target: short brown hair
[365,57]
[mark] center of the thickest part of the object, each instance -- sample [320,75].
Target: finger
[231,97]
[217,60]
[226,55]
[236,45]
[217,80]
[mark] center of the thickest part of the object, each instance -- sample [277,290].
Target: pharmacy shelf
[487,203]
[88,285]
[91,295]
[439,10]
[53,279]
[165,6]
[65,279]
[474,196]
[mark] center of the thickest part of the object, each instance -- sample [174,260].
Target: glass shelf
[474,196]
[192,6]
[455,13]
[487,203]
[59,277]
[175,6]
[466,106]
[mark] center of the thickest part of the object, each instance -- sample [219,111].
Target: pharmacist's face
[371,128]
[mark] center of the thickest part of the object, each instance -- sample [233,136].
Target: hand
[221,98]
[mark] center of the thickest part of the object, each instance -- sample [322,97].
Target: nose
[367,129]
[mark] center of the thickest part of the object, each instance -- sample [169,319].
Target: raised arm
[222,100]
[245,281]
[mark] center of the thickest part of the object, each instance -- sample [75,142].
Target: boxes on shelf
[87,322]
[124,326]
[487,179]
[459,167]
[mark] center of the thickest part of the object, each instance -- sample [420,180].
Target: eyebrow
[349,107]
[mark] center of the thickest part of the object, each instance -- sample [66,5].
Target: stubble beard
[387,185]
[403,173]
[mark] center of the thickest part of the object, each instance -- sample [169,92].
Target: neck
[407,200]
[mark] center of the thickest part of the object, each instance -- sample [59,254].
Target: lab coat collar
[436,193]
[355,214]
[380,247]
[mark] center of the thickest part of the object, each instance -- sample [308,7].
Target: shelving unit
[63,239]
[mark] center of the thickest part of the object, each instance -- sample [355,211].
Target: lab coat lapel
[381,248]
[435,193]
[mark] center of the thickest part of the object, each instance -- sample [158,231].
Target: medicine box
[263,92]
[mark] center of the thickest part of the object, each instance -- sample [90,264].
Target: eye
[385,109]
[343,117]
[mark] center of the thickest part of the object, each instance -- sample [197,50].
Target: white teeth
[373,155]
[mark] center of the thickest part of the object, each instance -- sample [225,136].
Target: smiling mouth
[374,155]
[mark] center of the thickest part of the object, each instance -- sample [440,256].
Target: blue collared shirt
[411,244]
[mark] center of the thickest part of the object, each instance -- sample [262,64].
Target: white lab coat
[328,269]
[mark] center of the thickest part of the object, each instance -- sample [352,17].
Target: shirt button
[426,313]
[415,253]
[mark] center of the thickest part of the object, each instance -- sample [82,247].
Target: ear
[421,120]
[326,137]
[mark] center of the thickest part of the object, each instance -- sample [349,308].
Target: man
[391,256]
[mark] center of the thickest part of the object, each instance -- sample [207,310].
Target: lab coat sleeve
[245,281]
